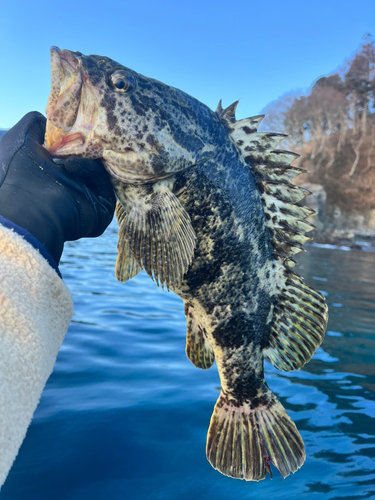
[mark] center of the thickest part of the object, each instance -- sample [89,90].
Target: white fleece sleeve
[35,311]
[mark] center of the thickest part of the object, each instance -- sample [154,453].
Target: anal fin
[198,349]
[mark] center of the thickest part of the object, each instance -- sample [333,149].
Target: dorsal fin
[248,125]
[300,314]
[228,114]
[219,108]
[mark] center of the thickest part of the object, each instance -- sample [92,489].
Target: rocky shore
[354,230]
[353,239]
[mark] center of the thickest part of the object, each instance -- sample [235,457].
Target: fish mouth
[58,146]
[63,103]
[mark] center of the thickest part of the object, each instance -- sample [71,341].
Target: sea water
[125,414]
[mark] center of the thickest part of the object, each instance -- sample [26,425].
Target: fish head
[143,129]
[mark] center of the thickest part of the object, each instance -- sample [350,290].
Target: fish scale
[207,207]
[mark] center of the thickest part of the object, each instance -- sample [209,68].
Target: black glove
[54,201]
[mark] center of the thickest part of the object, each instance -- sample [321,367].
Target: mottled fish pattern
[207,207]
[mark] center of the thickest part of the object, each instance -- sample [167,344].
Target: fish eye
[121,81]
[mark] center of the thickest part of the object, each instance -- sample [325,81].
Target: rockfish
[207,207]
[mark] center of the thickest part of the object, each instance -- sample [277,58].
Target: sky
[250,50]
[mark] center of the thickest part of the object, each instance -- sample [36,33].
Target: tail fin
[242,442]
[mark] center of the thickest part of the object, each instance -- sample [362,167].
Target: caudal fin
[243,441]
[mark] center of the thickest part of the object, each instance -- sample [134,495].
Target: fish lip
[70,60]
[55,80]
[65,69]
[68,139]
[65,58]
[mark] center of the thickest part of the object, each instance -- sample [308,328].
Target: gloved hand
[54,201]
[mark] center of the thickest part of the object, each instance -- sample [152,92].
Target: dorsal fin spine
[228,114]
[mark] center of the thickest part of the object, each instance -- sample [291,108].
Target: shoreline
[346,239]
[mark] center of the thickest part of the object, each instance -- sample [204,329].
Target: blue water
[125,415]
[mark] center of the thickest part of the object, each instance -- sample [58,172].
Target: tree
[333,127]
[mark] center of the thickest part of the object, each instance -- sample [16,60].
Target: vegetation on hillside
[333,128]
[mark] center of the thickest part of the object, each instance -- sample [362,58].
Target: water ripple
[125,414]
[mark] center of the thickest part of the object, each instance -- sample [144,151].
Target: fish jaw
[71,108]
[66,84]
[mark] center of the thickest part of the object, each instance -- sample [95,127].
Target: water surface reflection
[125,414]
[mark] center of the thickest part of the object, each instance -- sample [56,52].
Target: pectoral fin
[158,234]
[126,265]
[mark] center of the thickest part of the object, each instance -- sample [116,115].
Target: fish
[207,207]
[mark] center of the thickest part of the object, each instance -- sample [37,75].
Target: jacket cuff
[32,240]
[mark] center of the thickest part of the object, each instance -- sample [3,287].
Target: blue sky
[254,51]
